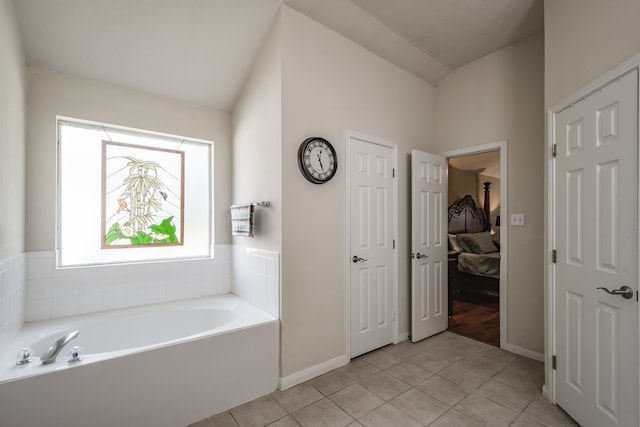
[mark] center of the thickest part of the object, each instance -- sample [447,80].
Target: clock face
[317,160]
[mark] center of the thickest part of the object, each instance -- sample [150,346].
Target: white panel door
[429,292]
[371,244]
[596,221]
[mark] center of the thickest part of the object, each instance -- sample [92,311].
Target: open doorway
[477,242]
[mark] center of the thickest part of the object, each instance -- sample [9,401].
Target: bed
[473,247]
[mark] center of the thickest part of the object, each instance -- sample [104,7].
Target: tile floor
[444,381]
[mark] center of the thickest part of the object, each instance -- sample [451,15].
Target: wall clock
[317,160]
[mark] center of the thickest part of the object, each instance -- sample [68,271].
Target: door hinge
[393,173]
[554,150]
[553,362]
[394,243]
[554,256]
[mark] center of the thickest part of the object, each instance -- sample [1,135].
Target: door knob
[625,291]
[421,256]
[356,258]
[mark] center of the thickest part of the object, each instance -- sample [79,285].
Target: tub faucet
[52,352]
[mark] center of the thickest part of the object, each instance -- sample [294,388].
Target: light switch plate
[517,219]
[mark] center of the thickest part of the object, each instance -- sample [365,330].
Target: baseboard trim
[312,372]
[524,352]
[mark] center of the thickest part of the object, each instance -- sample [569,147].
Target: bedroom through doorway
[474,256]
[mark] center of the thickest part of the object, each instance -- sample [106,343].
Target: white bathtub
[164,365]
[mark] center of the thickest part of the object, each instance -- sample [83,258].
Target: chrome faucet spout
[52,352]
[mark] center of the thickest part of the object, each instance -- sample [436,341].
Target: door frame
[349,134]
[500,146]
[549,388]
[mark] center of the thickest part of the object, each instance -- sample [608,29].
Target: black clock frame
[304,170]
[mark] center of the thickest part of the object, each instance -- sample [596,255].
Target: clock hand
[320,160]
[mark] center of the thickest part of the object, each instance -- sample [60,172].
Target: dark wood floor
[477,318]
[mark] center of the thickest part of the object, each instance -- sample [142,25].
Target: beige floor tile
[331,382]
[443,390]
[452,354]
[259,412]
[381,359]
[465,378]
[287,421]
[454,418]
[486,411]
[528,365]
[388,415]
[429,362]
[356,400]
[409,373]
[483,362]
[455,351]
[506,395]
[225,419]
[445,337]
[403,350]
[545,412]
[456,347]
[520,379]
[523,421]
[498,354]
[359,369]
[385,385]
[322,413]
[419,406]
[298,397]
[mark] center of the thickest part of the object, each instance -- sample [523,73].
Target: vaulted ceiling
[202,50]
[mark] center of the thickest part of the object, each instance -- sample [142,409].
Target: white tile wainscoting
[252,274]
[12,298]
[53,292]
[256,277]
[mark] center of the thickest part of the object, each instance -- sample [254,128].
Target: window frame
[107,130]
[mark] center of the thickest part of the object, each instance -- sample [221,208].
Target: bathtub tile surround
[13,291]
[256,277]
[52,293]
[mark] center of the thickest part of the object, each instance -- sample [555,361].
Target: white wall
[12,143]
[330,85]
[256,176]
[584,39]
[12,177]
[257,136]
[500,97]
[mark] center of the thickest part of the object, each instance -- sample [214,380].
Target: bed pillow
[453,243]
[479,243]
[463,244]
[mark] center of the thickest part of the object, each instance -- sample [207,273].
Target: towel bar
[265,204]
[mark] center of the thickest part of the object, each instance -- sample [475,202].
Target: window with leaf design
[128,195]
